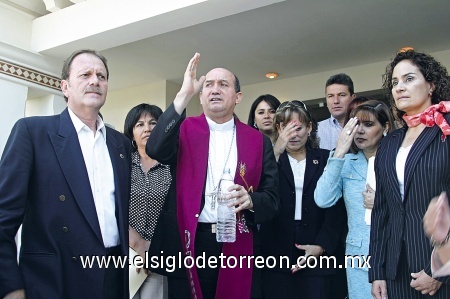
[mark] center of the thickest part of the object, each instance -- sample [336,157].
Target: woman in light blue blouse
[345,176]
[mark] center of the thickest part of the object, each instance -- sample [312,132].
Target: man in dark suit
[202,148]
[67,179]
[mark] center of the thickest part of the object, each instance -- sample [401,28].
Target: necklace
[213,193]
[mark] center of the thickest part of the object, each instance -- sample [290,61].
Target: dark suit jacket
[318,226]
[163,146]
[44,183]
[427,174]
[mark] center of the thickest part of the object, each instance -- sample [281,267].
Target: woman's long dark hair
[269,99]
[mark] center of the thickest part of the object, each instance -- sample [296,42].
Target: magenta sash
[192,165]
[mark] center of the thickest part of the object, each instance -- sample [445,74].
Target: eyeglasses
[294,103]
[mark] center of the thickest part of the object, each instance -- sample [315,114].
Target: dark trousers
[400,287]
[257,272]
[286,285]
[205,243]
[339,280]
[178,288]
[113,287]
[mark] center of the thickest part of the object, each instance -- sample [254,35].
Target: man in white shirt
[67,178]
[339,92]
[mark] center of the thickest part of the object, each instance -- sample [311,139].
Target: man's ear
[200,97]
[238,97]
[64,88]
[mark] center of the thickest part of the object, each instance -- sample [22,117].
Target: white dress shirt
[298,169]
[400,168]
[101,176]
[220,141]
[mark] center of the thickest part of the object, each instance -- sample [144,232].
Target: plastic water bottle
[226,218]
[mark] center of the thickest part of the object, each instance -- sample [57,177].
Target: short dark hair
[135,114]
[378,109]
[433,72]
[272,101]
[237,84]
[68,63]
[342,79]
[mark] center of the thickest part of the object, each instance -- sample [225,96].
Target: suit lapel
[70,158]
[389,163]
[359,164]
[420,145]
[312,164]
[285,167]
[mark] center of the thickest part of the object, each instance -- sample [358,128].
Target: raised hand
[284,135]
[346,138]
[191,86]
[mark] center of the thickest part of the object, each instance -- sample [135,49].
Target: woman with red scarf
[412,166]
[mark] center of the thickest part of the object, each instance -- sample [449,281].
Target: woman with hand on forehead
[301,231]
[345,176]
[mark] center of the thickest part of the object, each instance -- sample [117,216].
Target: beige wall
[12,103]
[16,27]
[119,102]
[48,105]
[161,93]
[310,87]
[365,78]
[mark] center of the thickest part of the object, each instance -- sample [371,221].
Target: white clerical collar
[213,126]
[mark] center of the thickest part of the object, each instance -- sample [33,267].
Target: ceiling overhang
[104,24]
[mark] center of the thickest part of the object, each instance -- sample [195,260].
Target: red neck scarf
[433,115]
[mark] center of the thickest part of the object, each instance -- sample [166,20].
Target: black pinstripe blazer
[427,174]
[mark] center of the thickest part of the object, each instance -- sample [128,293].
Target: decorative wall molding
[55,5]
[28,74]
